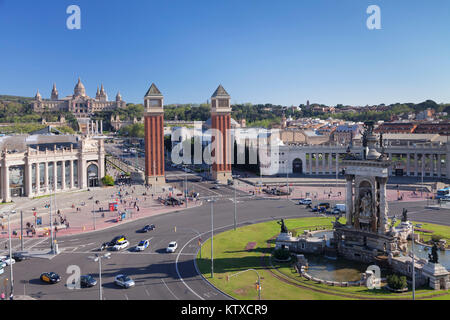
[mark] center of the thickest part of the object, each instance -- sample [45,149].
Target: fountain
[366,236]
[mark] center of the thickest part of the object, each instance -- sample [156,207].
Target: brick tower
[220,120]
[154,137]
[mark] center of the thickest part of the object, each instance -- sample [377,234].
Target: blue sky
[281,52]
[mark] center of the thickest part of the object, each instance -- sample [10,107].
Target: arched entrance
[92,175]
[297,166]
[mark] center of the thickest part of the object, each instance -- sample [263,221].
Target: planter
[396,290]
[281,260]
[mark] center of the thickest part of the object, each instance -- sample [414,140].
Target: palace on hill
[81,105]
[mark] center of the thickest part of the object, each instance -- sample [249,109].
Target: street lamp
[212,200]
[10,254]
[413,271]
[235,205]
[99,258]
[259,280]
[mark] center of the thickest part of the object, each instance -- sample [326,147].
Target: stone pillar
[46,177]
[101,159]
[72,184]
[55,175]
[432,165]
[38,179]
[63,175]
[349,199]
[5,183]
[317,162]
[391,167]
[28,179]
[310,163]
[330,163]
[337,163]
[407,163]
[439,170]
[82,173]
[422,160]
[416,166]
[383,206]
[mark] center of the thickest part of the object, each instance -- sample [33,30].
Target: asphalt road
[159,275]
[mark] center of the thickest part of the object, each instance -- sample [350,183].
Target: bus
[441,193]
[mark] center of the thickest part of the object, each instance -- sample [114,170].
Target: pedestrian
[3,296]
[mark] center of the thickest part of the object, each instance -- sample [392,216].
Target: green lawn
[230,257]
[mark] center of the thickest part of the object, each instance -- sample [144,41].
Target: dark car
[326,205]
[18,257]
[50,277]
[87,281]
[314,209]
[104,246]
[117,240]
[148,228]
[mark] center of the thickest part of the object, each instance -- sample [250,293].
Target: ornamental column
[349,198]
[310,163]
[63,175]
[55,175]
[317,162]
[154,137]
[408,156]
[221,137]
[28,179]
[46,177]
[439,170]
[72,184]
[5,180]
[38,179]
[416,166]
[383,206]
[330,163]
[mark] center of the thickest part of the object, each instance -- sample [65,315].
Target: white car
[142,245]
[172,246]
[121,245]
[8,261]
[124,281]
[305,201]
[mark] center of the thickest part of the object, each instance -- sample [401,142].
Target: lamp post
[413,271]
[51,223]
[99,258]
[212,200]
[259,280]
[93,211]
[235,205]
[10,255]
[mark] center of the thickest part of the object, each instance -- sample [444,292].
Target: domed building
[80,104]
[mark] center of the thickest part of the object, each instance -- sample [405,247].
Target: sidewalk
[83,220]
[329,193]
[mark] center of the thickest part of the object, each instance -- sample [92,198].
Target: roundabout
[280,280]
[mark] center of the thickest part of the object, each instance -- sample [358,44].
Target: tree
[108,180]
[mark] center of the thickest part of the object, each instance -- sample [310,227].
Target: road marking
[126,296]
[148,294]
[39,242]
[169,289]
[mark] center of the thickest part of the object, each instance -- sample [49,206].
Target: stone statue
[283,226]
[433,257]
[365,208]
[394,220]
[405,215]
